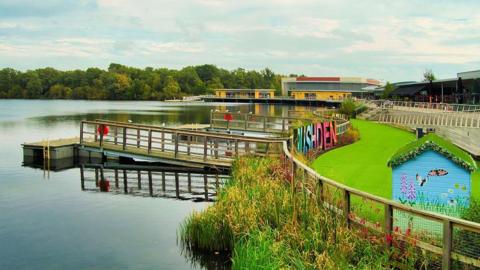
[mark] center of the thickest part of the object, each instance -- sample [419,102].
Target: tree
[387,90]
[428,75]
[171,89]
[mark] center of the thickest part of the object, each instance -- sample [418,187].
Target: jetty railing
[193,146]
[448,242]
[270,124]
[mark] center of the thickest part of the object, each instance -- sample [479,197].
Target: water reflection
[152,181]
[52,222]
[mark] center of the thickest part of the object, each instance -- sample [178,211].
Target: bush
[348,107]
[352,135]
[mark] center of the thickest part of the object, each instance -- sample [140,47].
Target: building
[245,93]
[432,173]
[327,88]
[464,89]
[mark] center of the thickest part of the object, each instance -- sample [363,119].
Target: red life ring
[103,129]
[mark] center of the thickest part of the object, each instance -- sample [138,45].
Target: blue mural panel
[431,180]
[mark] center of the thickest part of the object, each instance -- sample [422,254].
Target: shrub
[350,136]
[348,107]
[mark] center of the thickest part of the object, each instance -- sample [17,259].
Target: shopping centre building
[328,88]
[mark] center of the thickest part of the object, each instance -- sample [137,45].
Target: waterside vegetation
[268,222]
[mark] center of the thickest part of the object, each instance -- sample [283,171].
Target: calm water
[51,224]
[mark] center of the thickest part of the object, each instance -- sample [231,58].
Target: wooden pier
[173,146]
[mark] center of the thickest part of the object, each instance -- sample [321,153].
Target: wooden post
[320,190]
[205,146]
[217,182]
[211,118]
[236,147]
[116,178]
[96,177]
[346,206]
[189,138]
[283,124]
[139,178]
[115,135]
[189,176]
[124,146]
[176,144]
[101,135]
[95,132]
[125,188]
[388,219]
[82,177]
[177,185]
[150,184]
[163,140]
[216,148]
[138,138]
[246,121]
[264,123]
[149,149]
[101,174]
[205,186]
[447,245]
[81,132]
[163,181]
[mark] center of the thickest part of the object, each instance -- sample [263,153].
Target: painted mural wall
[431,181]
[316,135]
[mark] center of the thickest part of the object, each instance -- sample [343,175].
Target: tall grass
[268,222]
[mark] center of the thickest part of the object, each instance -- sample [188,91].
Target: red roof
[316,79]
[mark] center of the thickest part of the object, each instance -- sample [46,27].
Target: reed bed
[266,222]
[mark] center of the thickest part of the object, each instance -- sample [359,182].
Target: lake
[50,223]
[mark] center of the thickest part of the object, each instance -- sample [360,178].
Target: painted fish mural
[431,180]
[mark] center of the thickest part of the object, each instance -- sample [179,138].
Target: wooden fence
[450,242]
[208,148]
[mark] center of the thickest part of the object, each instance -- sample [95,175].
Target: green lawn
[363,165]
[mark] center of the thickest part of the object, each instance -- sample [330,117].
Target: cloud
[393,40]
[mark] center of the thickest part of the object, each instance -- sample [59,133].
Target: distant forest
[121,82]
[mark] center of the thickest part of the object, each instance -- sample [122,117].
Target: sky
[387,40]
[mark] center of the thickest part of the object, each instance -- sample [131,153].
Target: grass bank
[363,165]
[269,224]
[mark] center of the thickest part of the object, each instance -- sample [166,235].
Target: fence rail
[424,106]
[451,240]
[470,120]
[174,144]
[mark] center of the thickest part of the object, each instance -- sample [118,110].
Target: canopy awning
[408,90]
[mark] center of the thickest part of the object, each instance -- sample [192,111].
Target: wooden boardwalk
[174,145]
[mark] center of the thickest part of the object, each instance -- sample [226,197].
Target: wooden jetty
[172,146]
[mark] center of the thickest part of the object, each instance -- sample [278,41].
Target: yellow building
[245,93]
[326,88]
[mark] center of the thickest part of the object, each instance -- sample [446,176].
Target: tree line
[121,82]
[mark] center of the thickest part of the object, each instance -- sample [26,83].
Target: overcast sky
[377,39]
